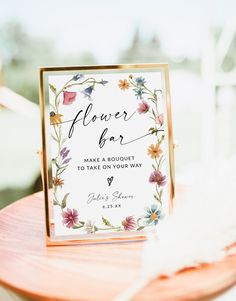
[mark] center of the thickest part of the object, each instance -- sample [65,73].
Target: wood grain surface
[89,272]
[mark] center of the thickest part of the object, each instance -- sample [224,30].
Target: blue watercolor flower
[139,93]
[103,82]
[153,214]
[78,76]
[88,91]
[140,81]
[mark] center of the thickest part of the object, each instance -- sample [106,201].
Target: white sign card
[107,150]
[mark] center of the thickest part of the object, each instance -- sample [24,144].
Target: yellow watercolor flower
[154,151]
[123,84]
[55,119]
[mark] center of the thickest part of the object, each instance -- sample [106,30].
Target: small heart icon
[109,180]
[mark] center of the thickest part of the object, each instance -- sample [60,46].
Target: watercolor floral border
[65,96]
[148,105]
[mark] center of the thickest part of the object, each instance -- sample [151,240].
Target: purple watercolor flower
[70,218]
[63,151]
[143,107]
[88,91]
[66,161]
[65,154]
[77,77]
[158,178]
[129,223]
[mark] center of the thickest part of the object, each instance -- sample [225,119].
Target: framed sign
[107,151]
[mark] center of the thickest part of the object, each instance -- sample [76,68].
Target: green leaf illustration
[161,140]
[77,227]
[161,192]
[63,140]
[52,88]
[140,228]
[55,203]
[54,138]
[153,130]
[63,202]
[106,222]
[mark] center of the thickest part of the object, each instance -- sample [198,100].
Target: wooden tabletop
[88,272]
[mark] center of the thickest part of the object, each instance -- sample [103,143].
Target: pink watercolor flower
[160,119]
[129,223]
[143,107]
[68,97]
[157,177]
[70,218]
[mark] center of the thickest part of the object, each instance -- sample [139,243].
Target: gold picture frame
[44,73]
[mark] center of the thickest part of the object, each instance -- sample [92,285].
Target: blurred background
[196,38]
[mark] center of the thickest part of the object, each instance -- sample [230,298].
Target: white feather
[201,228]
